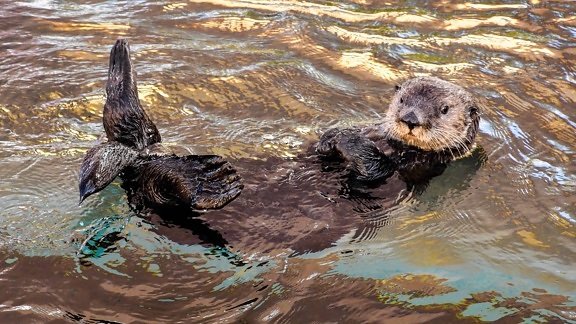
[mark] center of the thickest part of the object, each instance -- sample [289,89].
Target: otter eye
[444,109]
[397,87]
[473,110]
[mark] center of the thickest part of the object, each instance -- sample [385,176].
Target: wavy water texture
[257,81]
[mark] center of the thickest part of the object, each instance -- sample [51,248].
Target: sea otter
[151,175]
[429,123]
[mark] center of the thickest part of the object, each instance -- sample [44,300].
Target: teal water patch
[485,291]
[11,260]
[487,312]
[249,273]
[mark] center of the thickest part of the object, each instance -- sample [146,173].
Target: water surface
[491,239]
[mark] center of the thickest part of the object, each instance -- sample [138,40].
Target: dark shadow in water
[184,226]
[178,224]
[98,245]
[79,318]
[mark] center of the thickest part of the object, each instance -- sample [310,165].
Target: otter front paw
[363,157]
[329,142]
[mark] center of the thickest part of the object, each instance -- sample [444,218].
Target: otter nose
[411,120]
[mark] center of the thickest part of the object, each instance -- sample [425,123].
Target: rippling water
[257,81]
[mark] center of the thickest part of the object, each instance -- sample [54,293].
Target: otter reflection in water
[429,123]
[152,175]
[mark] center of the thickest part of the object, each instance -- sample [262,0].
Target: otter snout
[411,120]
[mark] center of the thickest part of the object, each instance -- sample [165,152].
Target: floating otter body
[313,202]
[429,123]
[151,175]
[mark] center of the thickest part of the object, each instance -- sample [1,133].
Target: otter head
[433,115]
[101,165]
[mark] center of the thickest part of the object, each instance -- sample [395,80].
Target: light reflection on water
[257,82]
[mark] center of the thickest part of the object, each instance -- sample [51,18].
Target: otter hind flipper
[200,182]
[101,165]
[124,119]
[220,183]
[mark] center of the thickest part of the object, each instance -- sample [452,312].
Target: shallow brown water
[257,82]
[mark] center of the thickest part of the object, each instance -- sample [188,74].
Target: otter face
[433,115]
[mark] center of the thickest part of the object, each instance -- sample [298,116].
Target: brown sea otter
[351,185]
[151,176]
[429,123]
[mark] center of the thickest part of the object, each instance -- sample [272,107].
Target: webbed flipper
[125,120]
[197,181]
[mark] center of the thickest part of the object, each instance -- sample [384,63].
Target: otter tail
[198,181]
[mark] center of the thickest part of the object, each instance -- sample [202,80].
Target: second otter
[429,123]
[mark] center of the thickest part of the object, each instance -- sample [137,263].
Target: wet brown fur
[124,119]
